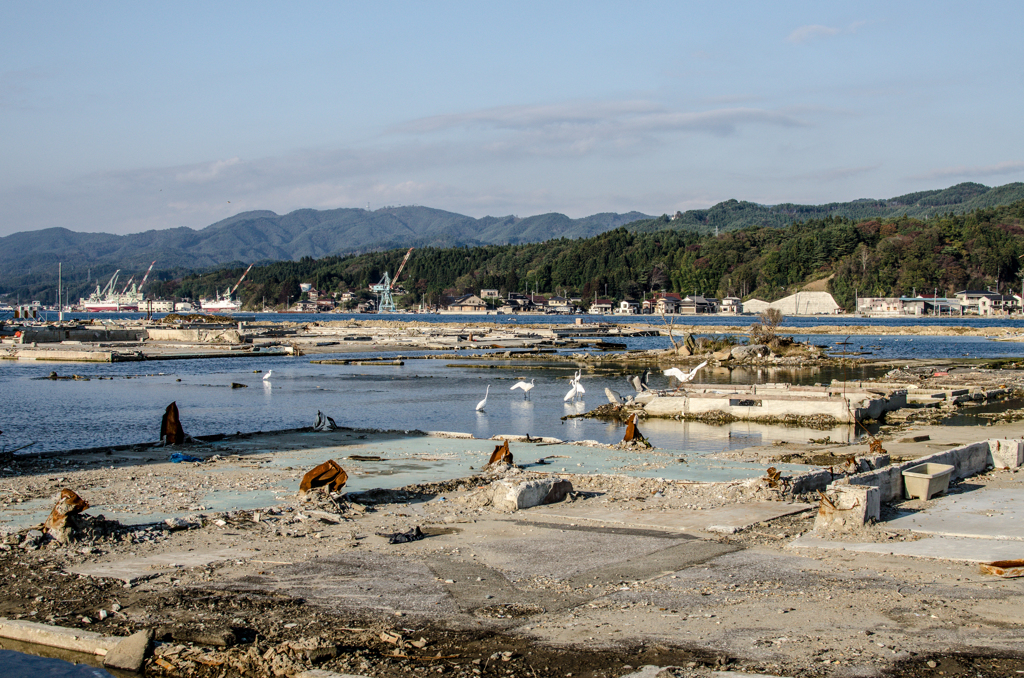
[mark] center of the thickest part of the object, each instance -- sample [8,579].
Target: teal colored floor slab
[418,459]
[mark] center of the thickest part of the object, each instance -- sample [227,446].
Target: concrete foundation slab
[983,514]
[940,548]
[137,569]
[725,519]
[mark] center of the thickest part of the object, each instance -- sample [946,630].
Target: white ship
[225,303]
[222,304]
[110,300]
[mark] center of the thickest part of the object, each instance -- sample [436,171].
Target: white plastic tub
[926,480]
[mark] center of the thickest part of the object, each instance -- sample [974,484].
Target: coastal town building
[468,303]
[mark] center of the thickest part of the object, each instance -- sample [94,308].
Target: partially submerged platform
[773,402]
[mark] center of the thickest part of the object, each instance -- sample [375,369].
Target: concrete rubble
[519,568]
[541,569]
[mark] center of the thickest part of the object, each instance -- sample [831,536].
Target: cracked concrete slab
[724,519]
[146,567]
[939,547]
[986,513]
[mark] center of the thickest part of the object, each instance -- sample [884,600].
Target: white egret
[577,388]
[523,385]
[683,377]
[267,375]
[483,403]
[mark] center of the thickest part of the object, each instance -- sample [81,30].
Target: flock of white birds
[576,392]
[638,382]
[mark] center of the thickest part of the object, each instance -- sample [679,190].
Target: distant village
[490,302]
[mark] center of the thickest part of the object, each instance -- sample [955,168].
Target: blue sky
[124,117]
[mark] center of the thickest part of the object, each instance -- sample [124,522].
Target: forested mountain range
[733,214]
[875,257]
[28,259]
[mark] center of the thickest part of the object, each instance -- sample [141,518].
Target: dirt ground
[315,583]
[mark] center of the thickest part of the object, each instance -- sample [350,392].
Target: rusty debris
[1007,569]
[501,455]
[632,432]
[633,435]
[774,476]
[825,505]
[171,432]
[876,447]
[328,474]
[68,505]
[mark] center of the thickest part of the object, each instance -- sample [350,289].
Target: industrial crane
[386,286]
[146,277]
[239,280]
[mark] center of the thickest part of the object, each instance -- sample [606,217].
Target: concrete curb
[76,640]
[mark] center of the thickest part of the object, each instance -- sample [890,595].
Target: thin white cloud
[207,171]
[579,128]
[807,33]
[998,169]
[835,173]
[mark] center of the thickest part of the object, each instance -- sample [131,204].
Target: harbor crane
[237,283]
[146,277]
[385,288]
[109,289]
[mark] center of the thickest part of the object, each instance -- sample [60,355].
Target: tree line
[893,257]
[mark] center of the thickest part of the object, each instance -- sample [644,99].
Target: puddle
[969,415]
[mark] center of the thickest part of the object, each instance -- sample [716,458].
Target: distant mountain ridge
[266,236]
[28,259]
[734,214]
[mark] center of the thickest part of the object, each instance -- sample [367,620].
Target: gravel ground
[315,583]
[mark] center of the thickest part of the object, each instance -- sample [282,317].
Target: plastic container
[926,480]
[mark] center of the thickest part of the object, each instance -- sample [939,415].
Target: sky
[123,117]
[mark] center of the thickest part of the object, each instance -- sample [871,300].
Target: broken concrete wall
[1006,453]
[966,461]
[203,336]
[50,335]
[811,481]
[848,507]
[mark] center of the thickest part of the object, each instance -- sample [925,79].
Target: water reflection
[127,404]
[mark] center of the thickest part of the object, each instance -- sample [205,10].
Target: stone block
[130,653]
[508,496]
[852,506]
[1006,453]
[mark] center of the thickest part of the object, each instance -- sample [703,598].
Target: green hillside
[872,257]
[733,214]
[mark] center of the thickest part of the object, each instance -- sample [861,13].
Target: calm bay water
[422,394]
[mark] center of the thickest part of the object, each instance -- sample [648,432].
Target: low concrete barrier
[205,336]
[57,636]
[966,461]
[52,335]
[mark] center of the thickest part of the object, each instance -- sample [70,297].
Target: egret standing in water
[267,375]
[577,388]
[526,388]
[483,403]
